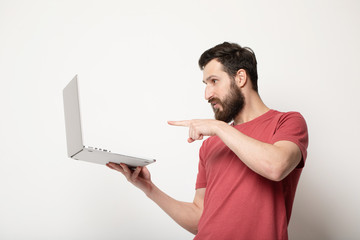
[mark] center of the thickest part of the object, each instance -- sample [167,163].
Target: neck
[253,108]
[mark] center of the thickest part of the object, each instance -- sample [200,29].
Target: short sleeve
[292,127]
[201,176]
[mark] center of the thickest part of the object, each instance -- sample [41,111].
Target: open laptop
[75,147]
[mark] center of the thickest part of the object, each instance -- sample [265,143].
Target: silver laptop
[75,147]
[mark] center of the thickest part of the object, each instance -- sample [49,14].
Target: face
[222,93]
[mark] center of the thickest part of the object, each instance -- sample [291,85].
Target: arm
[185,214]
[272,161]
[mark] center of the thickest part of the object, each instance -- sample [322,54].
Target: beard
[231,106]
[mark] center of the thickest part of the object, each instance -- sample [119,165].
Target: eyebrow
[209,77]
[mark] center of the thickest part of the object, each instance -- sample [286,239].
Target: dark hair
[233,57]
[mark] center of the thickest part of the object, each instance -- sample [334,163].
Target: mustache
[214,101]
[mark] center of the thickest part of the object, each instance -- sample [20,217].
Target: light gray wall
[137,65]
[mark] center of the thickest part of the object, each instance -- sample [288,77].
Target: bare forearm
[268,160]
[186,214]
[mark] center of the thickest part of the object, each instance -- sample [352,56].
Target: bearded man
[250,165]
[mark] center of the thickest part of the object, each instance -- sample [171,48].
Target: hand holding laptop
[140,177]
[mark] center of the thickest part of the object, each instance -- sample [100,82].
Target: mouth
[215,104]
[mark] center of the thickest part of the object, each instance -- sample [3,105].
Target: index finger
[184,123]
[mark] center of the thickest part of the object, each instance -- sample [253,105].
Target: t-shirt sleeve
[201,176]
[292,127]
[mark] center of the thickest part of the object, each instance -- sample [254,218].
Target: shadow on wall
[307,221]
[310,215]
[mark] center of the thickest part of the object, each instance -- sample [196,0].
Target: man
[248,170]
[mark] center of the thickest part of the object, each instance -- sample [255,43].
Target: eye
[214,80]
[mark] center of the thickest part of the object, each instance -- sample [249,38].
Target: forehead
[213,68]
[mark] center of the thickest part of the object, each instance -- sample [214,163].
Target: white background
[137,66]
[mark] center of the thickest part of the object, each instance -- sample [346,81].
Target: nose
[209,93]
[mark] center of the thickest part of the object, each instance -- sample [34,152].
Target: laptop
[75,147]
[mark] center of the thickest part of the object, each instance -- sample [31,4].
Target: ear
[241,78]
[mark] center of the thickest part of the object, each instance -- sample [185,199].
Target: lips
[215,103]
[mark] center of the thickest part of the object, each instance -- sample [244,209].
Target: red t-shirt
[239,203]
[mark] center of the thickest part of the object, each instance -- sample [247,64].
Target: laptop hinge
[77,152]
